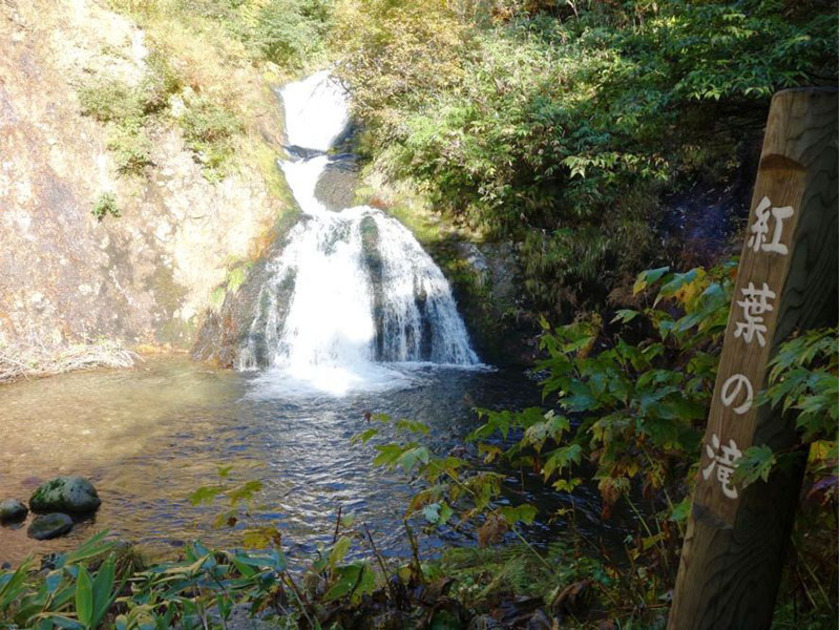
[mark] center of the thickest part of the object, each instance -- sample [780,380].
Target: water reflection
[149,437]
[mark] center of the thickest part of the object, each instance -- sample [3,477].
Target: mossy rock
[12,510]
[65,494]
[47,526]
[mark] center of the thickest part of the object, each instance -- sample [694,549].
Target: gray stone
[65,494]
[48,526]
[12,510]
[336,188]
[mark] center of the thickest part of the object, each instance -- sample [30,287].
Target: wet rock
[336,188]
[302,153]
[12,510]
[66,494]
[47,526]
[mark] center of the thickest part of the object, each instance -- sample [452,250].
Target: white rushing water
[353,297]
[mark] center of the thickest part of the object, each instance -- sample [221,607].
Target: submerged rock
[66,494]
[48,526]
[12,510]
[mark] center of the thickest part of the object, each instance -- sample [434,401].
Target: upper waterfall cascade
[353,292]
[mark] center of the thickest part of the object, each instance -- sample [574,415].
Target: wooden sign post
[733,553]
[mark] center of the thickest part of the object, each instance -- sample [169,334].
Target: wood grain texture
[733,552]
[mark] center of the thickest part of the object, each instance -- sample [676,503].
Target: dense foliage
[559,126]
[628,417]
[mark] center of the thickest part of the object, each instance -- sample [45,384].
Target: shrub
[290,33]
[208,131]
[161,82]
[127,110]
[110,100]
[131,149]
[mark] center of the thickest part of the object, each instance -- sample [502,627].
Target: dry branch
[36,360]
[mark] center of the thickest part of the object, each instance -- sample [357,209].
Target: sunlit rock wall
[65,277]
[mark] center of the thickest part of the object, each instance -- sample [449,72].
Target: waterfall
[353,295]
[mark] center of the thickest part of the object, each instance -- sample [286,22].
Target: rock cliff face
[143,277]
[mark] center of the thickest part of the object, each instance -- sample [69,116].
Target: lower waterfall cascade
[353,294]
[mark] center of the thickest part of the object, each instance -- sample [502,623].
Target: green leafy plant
[803,381]
[452,486]
[129,110]
[106,205]
[635,410]
[131,149]
[239,496]
[111,100]
[66,595]
[209,130]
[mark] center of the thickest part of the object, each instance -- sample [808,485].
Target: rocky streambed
[55,503]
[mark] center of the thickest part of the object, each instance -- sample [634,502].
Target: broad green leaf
[432,512]
[625,316]
[205,494]
[413,426]
[103,583]
[681,511]
[245,492]
[525,513]
[756,463]
[353,579]
[84,598]
[364,436]
[412,457]
[339,551]
[647,278]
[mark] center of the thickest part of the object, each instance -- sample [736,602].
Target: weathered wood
[733,553]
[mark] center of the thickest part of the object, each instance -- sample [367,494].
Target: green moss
[217,298]
[237,276]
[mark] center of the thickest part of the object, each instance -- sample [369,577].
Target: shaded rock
[539,621]
[485,622]
[573,599]
[48,526]
[447,613]
[388,620]
[66,494]
[302,153]
[12,510]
